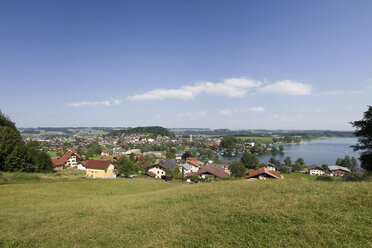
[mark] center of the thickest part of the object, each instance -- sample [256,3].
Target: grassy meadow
[257,139]
[148,213]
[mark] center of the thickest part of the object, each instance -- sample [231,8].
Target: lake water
[318,152]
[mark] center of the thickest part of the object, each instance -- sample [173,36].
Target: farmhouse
[270,166]
[337,170]
[209,171]
[158,170]
[263,173]
[315,170]
[99,169]
[68,160]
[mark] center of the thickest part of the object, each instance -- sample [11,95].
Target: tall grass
[148,213]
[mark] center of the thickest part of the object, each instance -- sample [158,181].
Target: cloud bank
[229,87]
[287,87]
[103,103]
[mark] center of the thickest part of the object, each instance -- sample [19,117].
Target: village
[191,159]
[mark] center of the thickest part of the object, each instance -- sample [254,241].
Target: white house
[270,166]
[80,166]
[156,171]
[188,168]
[316,170]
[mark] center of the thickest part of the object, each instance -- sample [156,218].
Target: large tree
[364,133]
[229,142]
[250,160]
[237,169]
[15,155]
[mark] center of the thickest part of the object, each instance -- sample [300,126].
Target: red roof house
[263,173]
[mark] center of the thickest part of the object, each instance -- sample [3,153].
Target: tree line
[16,155]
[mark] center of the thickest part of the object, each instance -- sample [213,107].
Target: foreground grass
[148,213]
[21,177]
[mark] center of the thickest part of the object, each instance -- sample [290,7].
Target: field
[148,213]
[264,140]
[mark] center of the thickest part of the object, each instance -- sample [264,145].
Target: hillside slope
[147,213]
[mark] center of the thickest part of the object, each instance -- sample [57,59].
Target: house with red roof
[209,171]
[263,173]
[68,160]
[99,169]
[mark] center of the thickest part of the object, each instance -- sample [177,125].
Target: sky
[186,64]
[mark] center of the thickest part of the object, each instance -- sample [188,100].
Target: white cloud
[102,103]
[230,87]
[287,87]
[225,111]
[258,109]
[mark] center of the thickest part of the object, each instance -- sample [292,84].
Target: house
[99,169]
[337,170]
[270,166]
[81,165]
[263,173]
[188,168]
[120,151]
[156,171]
[315,170]
[68,160]
[209,171]
[249,143]
[171,164]
[105,153]
[159,170]
[224,167]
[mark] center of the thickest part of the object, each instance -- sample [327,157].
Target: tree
[281,148]
[325,167]
[288,161]
[250,160]
[364,134]
[297,167]
[170,155]
[177,173]
[186,155]
[275,162]
[237,169]
[300,161]
[228,142]
[126,166]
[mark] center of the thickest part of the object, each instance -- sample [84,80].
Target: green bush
[324,178]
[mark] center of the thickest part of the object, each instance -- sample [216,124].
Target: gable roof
[193,161]
[209,170]
[57,163]
[97,164]
[168,163]
[270,164]
[315,167]
[151,174]
[337,167]
[264,170]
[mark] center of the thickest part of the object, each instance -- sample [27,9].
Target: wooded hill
[152,130]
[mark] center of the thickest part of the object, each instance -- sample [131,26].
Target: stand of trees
[350,163]
[364,134]
[15,155]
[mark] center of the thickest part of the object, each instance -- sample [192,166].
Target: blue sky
[216,64]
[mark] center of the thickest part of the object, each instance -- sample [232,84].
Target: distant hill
[155,130]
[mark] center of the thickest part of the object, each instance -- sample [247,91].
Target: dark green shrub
[324,178]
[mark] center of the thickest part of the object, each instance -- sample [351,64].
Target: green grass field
[149,213]
[265,140]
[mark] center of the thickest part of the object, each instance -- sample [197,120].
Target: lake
[318,152]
